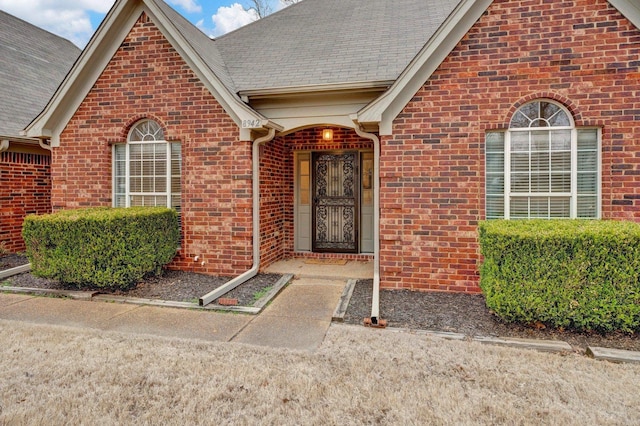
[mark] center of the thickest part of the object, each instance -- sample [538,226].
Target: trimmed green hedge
[578,274]
[101,247]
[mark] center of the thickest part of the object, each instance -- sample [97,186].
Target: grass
[260,294]
[59,375]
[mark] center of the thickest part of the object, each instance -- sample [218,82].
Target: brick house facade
[25,189]
[430,177]
[582,54]
[147,78]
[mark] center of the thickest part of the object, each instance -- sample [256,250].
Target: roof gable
[194,47]
[34,62]
[386,108]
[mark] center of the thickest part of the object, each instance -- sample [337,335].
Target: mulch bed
[460,313]
[9,261]
[176,286]
[467,314]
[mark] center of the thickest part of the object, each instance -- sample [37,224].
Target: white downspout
[375,299]
[44,145]
[210,297]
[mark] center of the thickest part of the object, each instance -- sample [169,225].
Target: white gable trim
[84,73]
[97,55]
[630,10]
[387,107]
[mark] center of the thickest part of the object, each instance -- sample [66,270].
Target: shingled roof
[320,42]
[33,64]
[201,43]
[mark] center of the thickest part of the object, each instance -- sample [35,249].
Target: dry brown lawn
[54,376]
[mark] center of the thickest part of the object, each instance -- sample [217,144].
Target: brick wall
[581,53]
[25,189]
[148,79]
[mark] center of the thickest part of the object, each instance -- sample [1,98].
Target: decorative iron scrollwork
[335,177]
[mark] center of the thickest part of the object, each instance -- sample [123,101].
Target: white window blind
[147,170]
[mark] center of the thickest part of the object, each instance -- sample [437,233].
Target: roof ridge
[261,20]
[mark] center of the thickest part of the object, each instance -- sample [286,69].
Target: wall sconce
[327,134]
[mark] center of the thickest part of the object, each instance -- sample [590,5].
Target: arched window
[147,169]
[543,166]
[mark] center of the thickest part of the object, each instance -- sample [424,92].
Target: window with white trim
[543,166]
[147,169]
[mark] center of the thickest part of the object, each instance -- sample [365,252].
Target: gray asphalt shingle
[331,42]
[201,44]
[34,62]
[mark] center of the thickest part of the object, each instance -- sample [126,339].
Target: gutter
[374,320]
[210,297]
[5,141]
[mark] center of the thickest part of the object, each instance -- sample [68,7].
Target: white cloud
[67,18]
[228,18]
[190,6]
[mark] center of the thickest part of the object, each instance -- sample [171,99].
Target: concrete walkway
[298,318]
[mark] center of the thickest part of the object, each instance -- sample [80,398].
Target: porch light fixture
[327,134]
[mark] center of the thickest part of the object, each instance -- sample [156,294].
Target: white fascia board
[85,72]
[316,88]
[630,10]
[387,107]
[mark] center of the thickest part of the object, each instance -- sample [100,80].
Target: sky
[77,20]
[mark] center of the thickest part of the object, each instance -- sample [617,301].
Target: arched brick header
[563,100]
[124,132]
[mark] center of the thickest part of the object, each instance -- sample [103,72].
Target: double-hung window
[147,169]
[543,166]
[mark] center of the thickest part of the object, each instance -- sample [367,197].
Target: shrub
[583,275]
[101,247]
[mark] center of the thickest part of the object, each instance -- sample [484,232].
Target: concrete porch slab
[352,269]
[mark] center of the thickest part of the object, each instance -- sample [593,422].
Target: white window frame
[128,193]
[573,195]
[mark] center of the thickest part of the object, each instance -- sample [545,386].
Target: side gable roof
[194,47]
[33,64]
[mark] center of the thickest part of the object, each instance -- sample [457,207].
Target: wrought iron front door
[335,209]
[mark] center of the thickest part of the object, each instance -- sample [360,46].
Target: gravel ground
[8,261]
[467,314]
[172,285]
[461,313]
